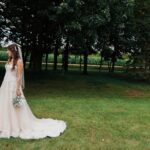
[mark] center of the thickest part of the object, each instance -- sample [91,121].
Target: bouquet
[18,101]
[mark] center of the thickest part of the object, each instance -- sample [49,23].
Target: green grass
[103,111]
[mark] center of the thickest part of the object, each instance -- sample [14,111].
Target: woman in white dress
[20,121]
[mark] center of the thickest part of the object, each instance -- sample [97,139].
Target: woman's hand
[18,93]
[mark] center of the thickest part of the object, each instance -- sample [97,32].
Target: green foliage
[85,25]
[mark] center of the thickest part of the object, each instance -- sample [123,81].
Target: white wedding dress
[21,122]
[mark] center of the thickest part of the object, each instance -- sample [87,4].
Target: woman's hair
[14,49]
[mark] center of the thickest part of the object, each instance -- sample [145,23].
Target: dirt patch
[109,87]
[136,93]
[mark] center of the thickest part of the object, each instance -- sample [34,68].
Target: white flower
[18,101]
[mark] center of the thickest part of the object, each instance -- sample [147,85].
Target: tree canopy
[80,27]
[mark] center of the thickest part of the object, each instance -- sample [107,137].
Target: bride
[20,121]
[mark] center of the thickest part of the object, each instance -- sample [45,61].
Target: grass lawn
[103,111]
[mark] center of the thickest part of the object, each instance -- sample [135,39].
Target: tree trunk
[113,66]
[46,60]
[85,62]
[80,62]
[86,52]
[25,57]
[55,56]
[66,55]
[114,55]
[36,59]
[100,64]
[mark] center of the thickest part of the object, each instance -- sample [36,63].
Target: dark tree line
[80,27]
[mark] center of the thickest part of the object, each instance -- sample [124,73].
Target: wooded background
[110,28]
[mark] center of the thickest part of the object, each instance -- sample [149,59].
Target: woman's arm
[19,76]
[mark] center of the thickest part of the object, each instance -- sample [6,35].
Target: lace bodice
[10,75]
